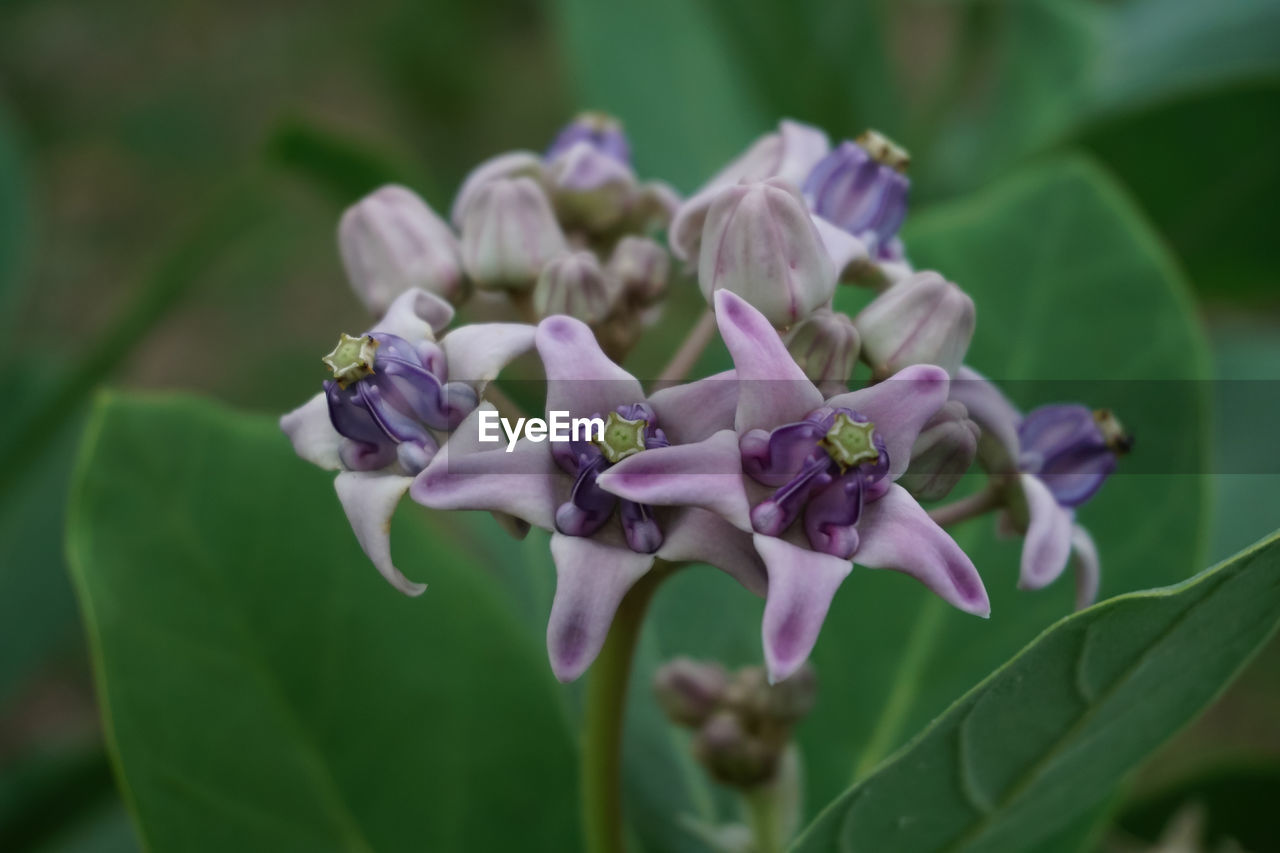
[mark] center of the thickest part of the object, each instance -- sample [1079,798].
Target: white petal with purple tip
[591,579]
[312,433]
[1047,545]
[801,586]
[896,533]
[476,353]
[580,377]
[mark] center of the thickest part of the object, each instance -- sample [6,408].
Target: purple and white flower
[1052,460]
[602,544]
[813,482]
[395,395]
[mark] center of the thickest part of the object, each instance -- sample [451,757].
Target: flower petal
[707,474]
[477,352]
[312,433]
[801,586]
[1047,545]
[900,406]
[580,377]
[698,536]
[773,390]
[591,579]
[898,534]
[992,411]
[694,410]
[415,315]
[848,253]
[370,500]
[1084,558]
[469,474]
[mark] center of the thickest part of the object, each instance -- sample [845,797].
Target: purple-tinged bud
[860,188]
[509,233]
[924,319]
[640,267]
[688,690]
[732,755]
[574,285]
[392,241]
[603,132]
[760,243]
[825,345]
[943,452]
[1072,449]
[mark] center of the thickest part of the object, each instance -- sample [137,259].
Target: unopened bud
[760,243]
[860,187]
[509,233]
[825,345]
[574,285]
[943,452]
[924,319]
[688,690]
[640,267]
[732,755]
[392,241]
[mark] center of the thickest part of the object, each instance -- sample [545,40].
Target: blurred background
[171,175]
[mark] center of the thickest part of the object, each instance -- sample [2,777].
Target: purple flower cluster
[775,471]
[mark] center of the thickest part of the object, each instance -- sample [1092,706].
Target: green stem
[763,817]
[605,708]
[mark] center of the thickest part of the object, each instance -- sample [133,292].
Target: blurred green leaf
[684,105]
[14,230]
[1076,300]
[1205,170]
[1044,738]
[1238,803]
[343,168]
[263,687]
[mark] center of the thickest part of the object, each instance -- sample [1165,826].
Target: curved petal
[415,315]
[476,353]
[699,536]
[772,390]
[695,410]
[801,586]
[580,377]
[900,406]
[591,579]
[469,474]
[1047,545]
[312,433]
[1084,558]
[994,414]
[898,534]
[707,474]
[370,499]
[848,253]
[508,165]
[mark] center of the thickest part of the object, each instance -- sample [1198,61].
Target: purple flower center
[824,468]
[387,398]
[1071,448]
[603,132]
[861,194]
[628,430]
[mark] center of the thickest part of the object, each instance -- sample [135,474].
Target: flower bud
[602,132]
[825,345]
[392,241]
[791,699]
[575,285]
[861,188]
[924,319]
[732,755]
[688,690]
[942,454]
[640,267]
[759,242]
[1072,449]
[509,233]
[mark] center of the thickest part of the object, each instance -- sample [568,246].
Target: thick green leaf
[1044,738]
[684,106]
[264,688]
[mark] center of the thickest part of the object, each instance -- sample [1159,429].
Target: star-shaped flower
[812,481]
